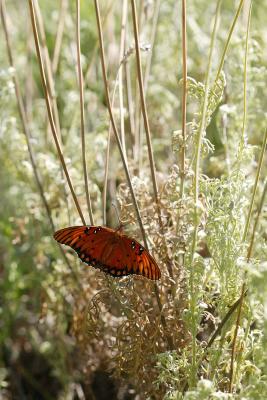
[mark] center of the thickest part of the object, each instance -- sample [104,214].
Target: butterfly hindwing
[140,261]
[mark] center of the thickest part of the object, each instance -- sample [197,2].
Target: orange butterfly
[109,250]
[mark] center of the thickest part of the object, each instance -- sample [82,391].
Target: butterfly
[109,250]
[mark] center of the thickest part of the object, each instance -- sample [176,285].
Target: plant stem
[147,71]
[224,321]
[147,130]
[59,34]
[48,67]
[114,127]
[49,110]
[184,46]
[143,102]
[27,133]
[80,77]
[120,72]
[242,140]
[235,337]
[255,186]
[105,185]
[228,41]
[201,130]
[257,221]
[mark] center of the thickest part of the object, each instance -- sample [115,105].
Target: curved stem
[147,71]
[27,133]
[49,110]
[143,102]
[147,129]
[48,67]
[80,77]
[114,127]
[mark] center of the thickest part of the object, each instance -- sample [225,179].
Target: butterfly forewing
[109,250]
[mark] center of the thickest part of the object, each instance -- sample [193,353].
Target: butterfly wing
[138,260]
[108,250]
[88,242]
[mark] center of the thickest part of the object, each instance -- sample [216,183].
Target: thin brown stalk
[48,66]
[147,71]
[143,102]
[129,94]
[49,110]
[147,128]
[137,122]
[108,149]
[95,49]
[59,34]
[23,117]
[121,53]
[29,76]
[129,98]
[81,93]
[114,127]
[51,86]
[238,319]
[152,43]
[105,186]
[184,46]
[138,110]
[27,133]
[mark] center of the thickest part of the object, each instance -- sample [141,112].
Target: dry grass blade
[114,127]
[124,161]
[25,127]
[147,128]
[81,93]
[48,67]
[184,46]
[143,102]
[49,110]
[59,35]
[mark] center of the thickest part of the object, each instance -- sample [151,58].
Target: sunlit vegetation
[160,111]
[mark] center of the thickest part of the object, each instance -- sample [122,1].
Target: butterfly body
[109,250]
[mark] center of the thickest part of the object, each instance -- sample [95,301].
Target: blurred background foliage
[62,332]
